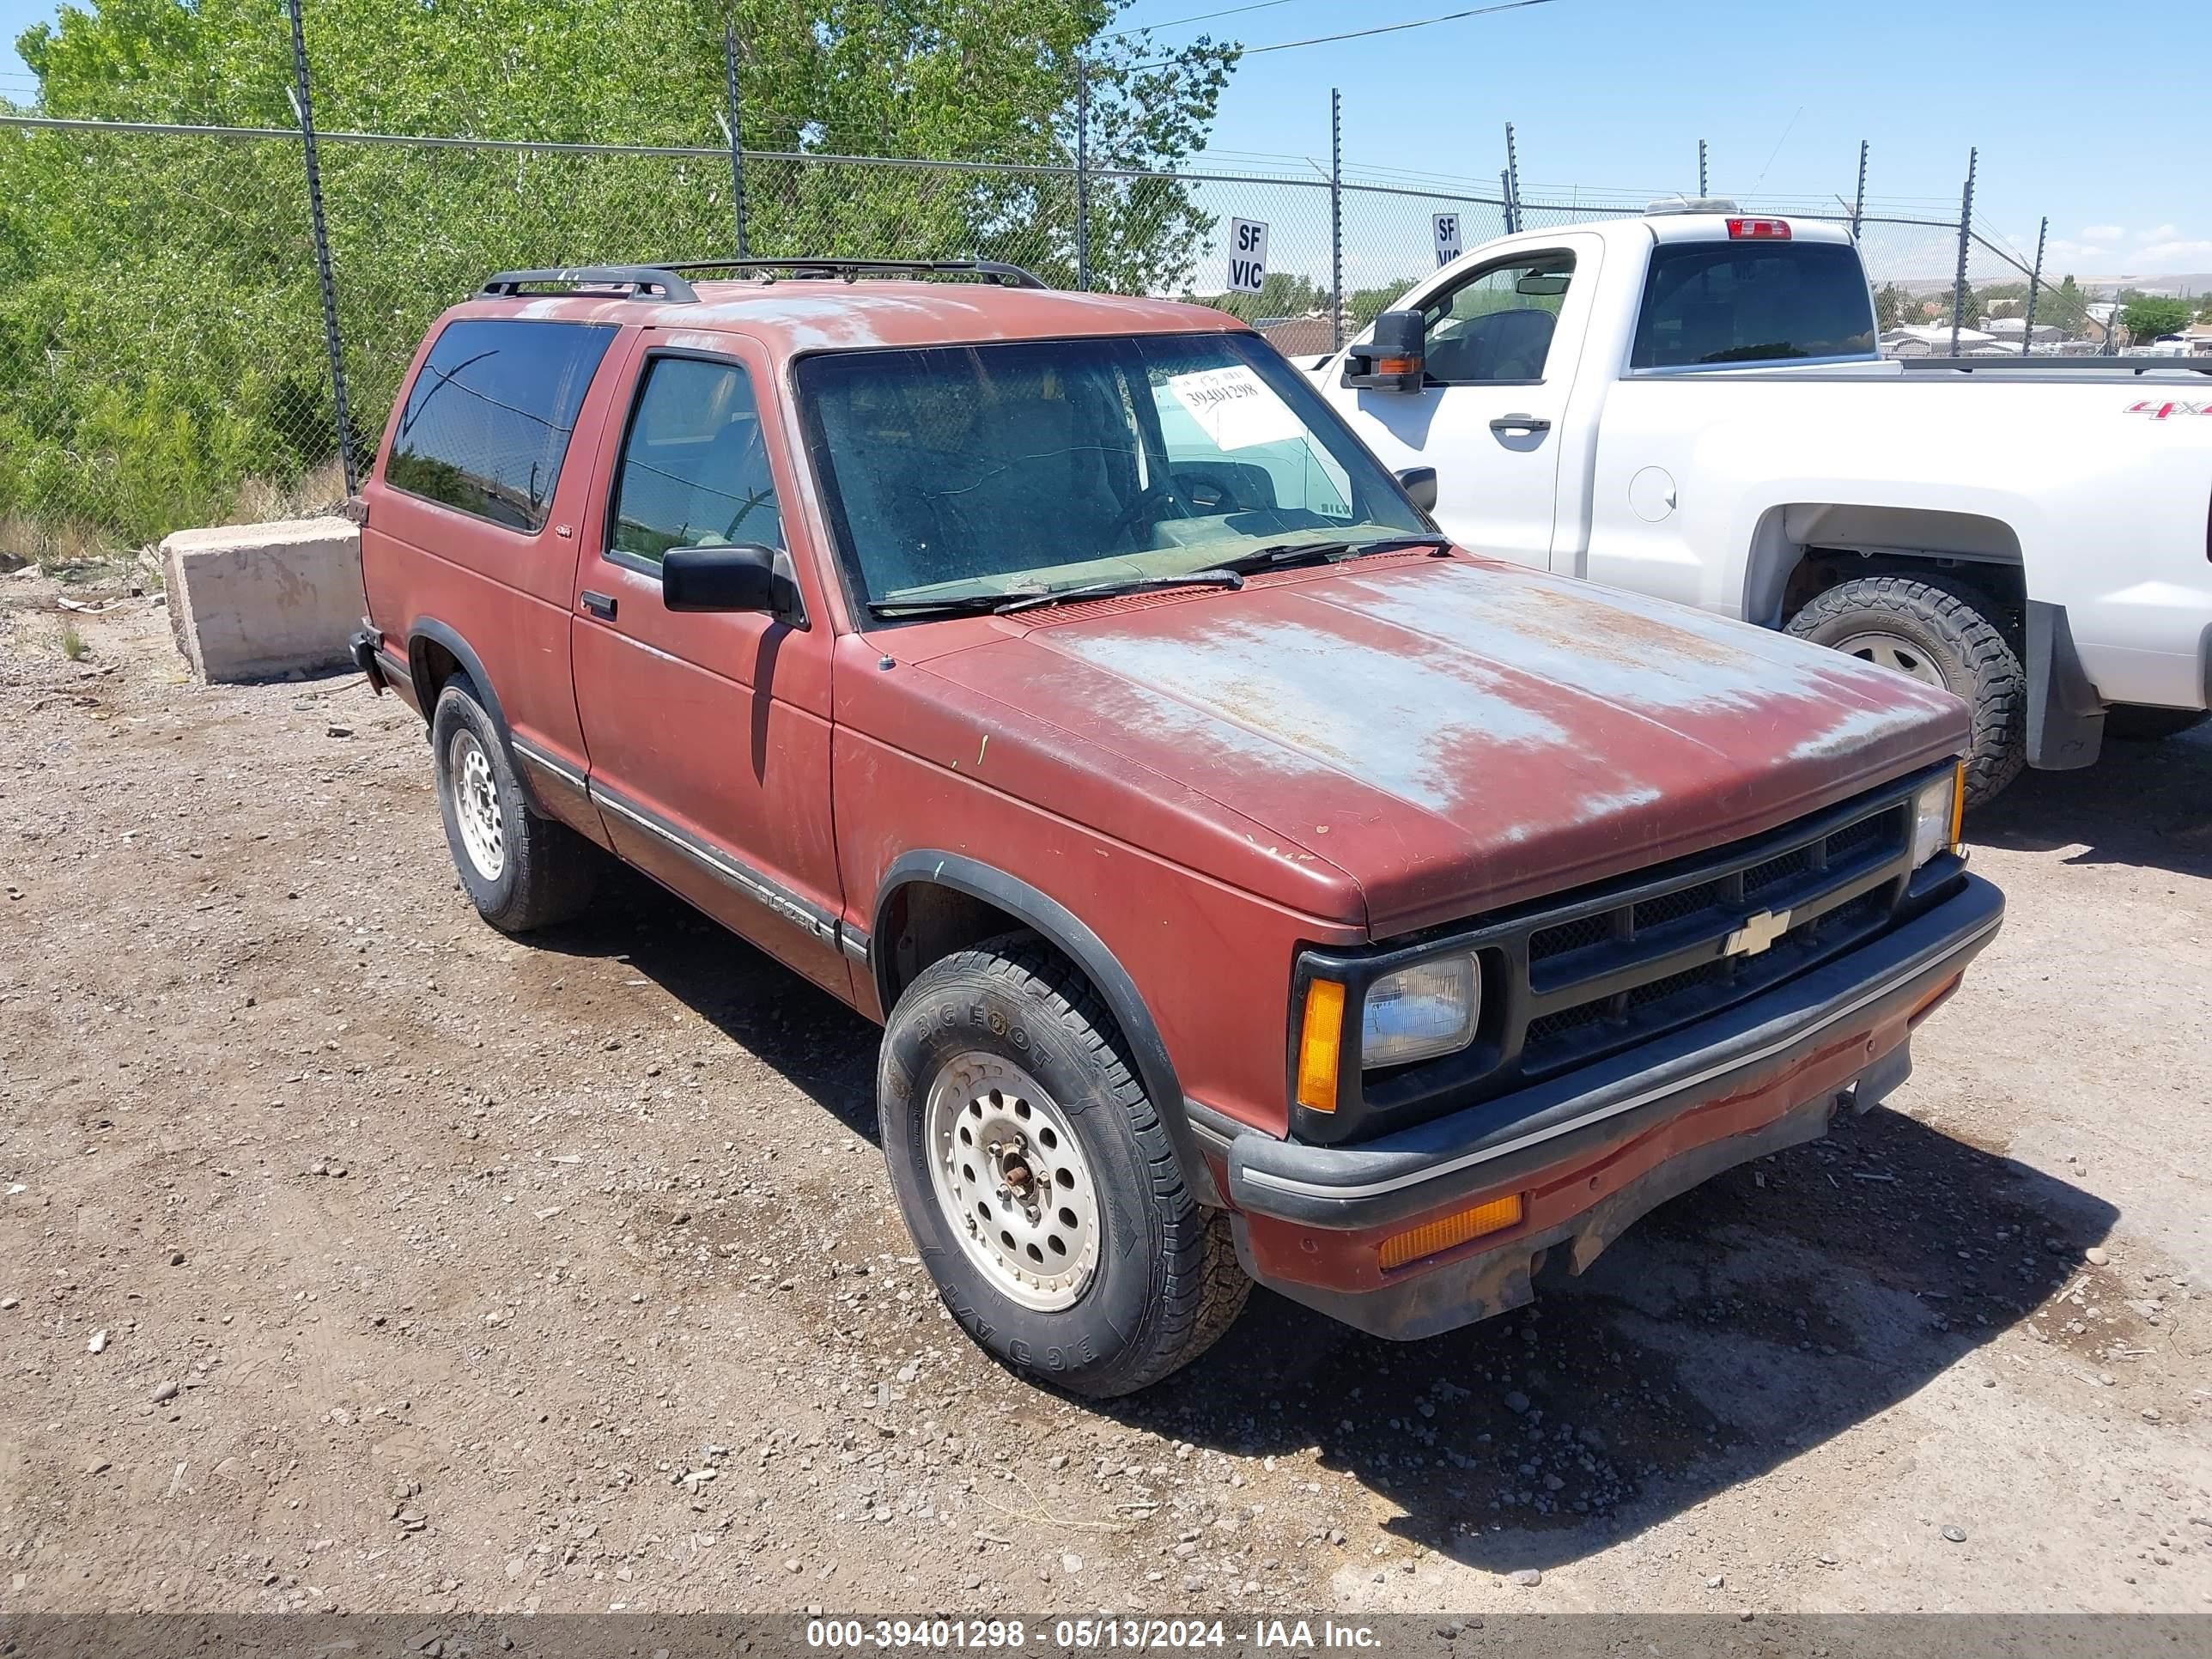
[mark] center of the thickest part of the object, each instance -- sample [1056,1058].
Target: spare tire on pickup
[1941,632]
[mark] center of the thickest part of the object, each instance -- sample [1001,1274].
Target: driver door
[708,733]
[1501,343]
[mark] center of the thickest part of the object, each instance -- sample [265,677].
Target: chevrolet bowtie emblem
[1757,933]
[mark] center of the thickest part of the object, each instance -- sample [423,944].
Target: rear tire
[1942,633]
[1037,1181]
[2136,722]
[521,871]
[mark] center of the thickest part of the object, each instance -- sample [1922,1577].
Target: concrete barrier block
[252,601]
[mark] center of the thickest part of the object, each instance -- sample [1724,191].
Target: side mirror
[744,577]
[1391,360]
[1420,486]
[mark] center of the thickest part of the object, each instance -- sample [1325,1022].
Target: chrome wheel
[1893,652]
[475,804]
[1010,1179]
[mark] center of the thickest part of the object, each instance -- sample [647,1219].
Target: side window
[693,468]
[1499,326]
[487,422]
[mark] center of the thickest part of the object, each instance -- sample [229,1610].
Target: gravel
[496,1301]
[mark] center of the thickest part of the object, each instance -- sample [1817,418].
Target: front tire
[522,871]
[1037,1181]
[1941,633]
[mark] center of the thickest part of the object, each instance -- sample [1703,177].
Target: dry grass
[73,550]
[73,645]
[261,501]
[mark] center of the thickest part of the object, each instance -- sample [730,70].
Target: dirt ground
[355,1256]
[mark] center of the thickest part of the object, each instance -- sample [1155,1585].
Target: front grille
[1612,975]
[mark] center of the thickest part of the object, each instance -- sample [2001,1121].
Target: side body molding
[1066,932]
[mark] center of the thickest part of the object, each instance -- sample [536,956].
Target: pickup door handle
[601,605]
[1520,423]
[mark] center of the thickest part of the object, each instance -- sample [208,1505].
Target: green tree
[1366,304]
[144,400]
[1281,294]
[2146,318]
[1893,307]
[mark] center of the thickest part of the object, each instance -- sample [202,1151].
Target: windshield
[959,471]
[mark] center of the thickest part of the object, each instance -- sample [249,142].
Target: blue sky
[1614,94]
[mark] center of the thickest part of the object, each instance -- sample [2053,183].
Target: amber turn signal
[1320,1043]
[1431,1238]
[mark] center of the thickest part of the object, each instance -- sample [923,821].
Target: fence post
[1336,218]
[1512,184]
[737,137]
[1702,190]
[2035,282]
[303,107]
[1966,237]
[1082,172]
[1858,202]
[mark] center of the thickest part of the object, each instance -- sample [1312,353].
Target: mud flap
[2065,717]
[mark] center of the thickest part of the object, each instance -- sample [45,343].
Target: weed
[73,645]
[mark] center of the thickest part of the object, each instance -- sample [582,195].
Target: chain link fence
[165,361]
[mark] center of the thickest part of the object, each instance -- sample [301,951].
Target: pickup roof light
[1759,230]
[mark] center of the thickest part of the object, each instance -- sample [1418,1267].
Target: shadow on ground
[1767,1311]
[2146,803]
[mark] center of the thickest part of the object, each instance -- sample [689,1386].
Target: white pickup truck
[1691,405]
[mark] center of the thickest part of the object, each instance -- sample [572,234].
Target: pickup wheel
[1037,1181]
[1942,634]
[521,870]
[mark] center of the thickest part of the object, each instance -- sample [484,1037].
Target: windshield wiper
[1285,556]
[1030,598]
[1213,576]
[966,604]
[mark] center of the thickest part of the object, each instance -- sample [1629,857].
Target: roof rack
[830,266]
[641,281]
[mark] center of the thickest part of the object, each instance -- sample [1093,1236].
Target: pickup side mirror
[1420,484]
[743,577]
[1391,360]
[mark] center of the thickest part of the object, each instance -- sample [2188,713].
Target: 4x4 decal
[2159,412]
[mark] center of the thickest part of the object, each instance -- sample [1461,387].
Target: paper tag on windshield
[1235,407]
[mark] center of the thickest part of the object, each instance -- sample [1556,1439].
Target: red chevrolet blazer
[1252,885]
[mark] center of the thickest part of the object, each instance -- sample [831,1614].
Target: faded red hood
[1456,734]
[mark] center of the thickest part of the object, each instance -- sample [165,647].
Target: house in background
[1934,340]
[2008,331]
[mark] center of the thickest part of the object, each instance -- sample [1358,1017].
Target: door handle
[1520,423]
[601,605]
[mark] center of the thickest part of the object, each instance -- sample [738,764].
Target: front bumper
[1590,1151]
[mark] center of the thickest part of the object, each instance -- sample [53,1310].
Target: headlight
[1935,816]
[1421,1011]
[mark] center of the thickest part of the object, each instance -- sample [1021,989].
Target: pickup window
[1743,303]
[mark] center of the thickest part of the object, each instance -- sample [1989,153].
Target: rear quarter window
[486,424]
[1752,302]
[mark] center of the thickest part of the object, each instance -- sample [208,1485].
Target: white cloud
[2102,234]
[2159,233]
[2173,256]
[2061,249]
